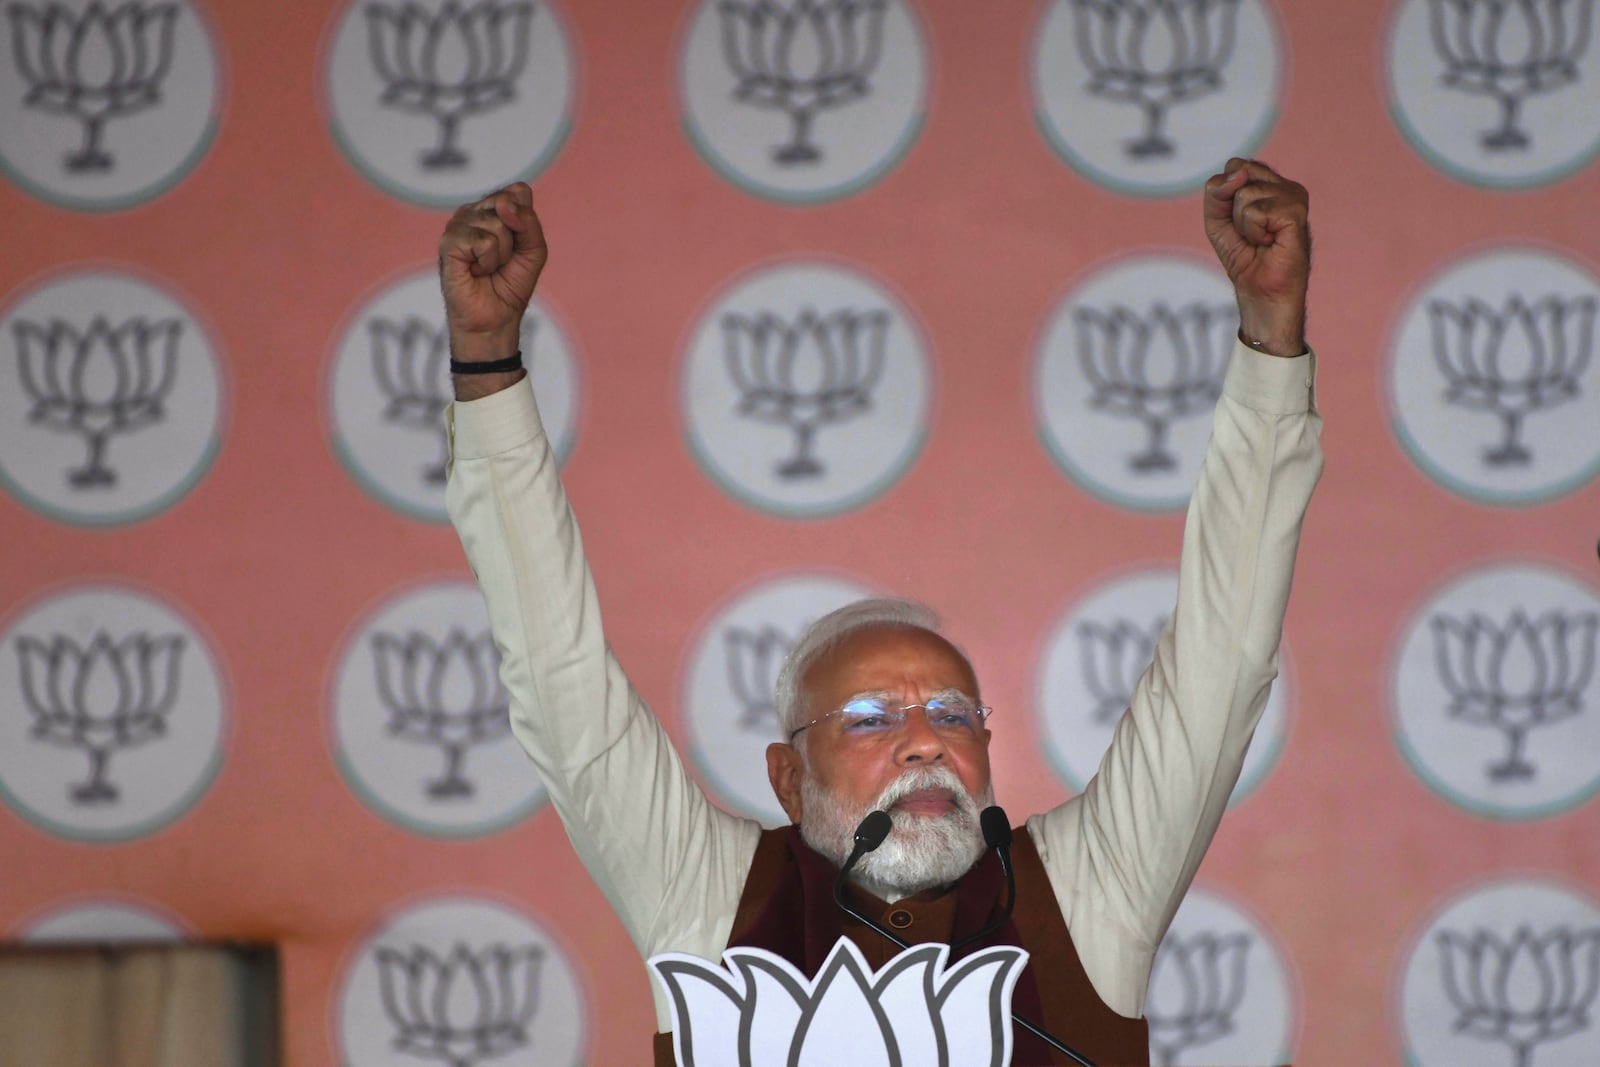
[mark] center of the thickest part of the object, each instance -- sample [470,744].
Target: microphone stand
[997,835]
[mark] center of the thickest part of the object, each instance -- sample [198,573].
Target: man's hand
[1256,221]
[490,257]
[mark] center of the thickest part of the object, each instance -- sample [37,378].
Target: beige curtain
[151,1006]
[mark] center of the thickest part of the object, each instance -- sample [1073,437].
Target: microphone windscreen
[996,827]
[872,830]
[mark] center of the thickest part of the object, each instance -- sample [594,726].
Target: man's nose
[917,741]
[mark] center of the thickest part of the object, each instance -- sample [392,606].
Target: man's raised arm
[671,864]
[1122,854]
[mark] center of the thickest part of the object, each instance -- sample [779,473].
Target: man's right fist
[490,257]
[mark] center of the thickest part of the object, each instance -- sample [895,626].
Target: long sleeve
[1121,854]
[671,863]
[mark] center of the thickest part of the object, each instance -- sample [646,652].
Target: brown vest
[787,908]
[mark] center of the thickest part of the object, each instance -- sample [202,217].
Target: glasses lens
[870,715]
[955,713]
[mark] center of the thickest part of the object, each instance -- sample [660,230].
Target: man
[881,712]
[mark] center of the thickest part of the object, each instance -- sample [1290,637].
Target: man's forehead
[886,658]
[947,693]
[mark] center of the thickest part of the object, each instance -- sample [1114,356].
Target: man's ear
[785,770]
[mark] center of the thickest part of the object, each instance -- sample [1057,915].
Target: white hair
[921,853]
[826,634]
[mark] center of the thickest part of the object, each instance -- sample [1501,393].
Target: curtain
[138,1006]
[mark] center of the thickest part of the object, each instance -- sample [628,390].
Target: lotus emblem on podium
[1525,991]
[94,65]
[915,1011]
[1516,677]
[805,374]
[462,1009]
[97,383]
[801,57]
[1515,362]
[101,697]
[1510,50]
[1154,54]
[458,61]
[443,693]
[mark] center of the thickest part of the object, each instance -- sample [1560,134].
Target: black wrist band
[493,366]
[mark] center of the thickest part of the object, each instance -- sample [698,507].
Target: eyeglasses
[952,714]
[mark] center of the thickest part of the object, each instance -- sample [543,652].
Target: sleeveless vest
[787,908]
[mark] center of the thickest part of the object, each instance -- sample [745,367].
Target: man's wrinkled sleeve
[671,864]
[1122,854]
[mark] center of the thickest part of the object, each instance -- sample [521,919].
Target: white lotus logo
[758,1009]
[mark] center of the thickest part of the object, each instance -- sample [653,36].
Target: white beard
[921,852]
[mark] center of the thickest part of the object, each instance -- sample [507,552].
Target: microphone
[871,832]
[997,835]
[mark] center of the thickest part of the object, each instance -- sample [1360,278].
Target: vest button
[899,918]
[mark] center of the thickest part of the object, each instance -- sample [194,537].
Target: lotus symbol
[1165,365]
[98,382]
[101,697]
[805,374]
[801,57]
[1154,54]
[97,64]
[1196,984]
[913,1012]
[1113,658]
[464,1008]
[449,64]
[1510,50]
[443,693]
[1525,991]
[754,657]
[1513,362]
[1516,676]
[411,361]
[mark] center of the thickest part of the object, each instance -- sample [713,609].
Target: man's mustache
[919,778]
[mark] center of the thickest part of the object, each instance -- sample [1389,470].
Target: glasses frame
[984,711]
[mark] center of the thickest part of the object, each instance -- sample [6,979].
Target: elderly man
[881,712]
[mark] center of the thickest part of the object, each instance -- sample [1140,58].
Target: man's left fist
[1256,221]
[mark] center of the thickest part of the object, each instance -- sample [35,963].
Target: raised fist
[1256,221]
[490,257]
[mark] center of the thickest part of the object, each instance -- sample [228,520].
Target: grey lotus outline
[1113,657]
[1116,346]
[754,656]
[58,680]
[758,44]
[1468,338]
[1212,969]
[404,44]
[138,359]
[763,353]
[412,674]
[844,973]
[1469,47]
[415,989]
[1470,658]
[1112,39]
[411,363]
[48,43]
[1566,990]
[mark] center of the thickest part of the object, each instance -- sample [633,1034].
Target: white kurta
[1120,855]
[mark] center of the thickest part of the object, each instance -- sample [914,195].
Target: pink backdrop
[274,239]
